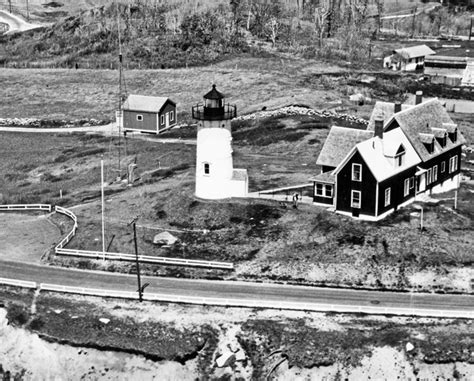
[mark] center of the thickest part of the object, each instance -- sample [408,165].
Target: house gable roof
[338,143]
[414,51]
[417,124]
[145,103]
[384,110]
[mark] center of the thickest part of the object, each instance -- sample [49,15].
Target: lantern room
[214,107]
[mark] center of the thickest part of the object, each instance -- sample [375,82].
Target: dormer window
[428,142]
[400,156]
[453,136]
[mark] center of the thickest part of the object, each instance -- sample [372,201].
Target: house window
[140,118]
[356,172]
[443,166]
[400,156]
[428,176]
[328,191]
[406,187]
[388,192]
[435,173]
[412,182]
[319,189]
[207,169]
[171,116]
[453,164]
[355,199]
[324,190]
[162,119]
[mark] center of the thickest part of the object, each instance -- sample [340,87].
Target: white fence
[61,250]
[248,303]
[26,207]
[18,283]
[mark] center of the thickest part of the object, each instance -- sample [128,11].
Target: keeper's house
[148,114]
[369,174]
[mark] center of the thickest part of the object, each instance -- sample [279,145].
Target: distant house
[447,70]
[417,150]
[148,114]
[408,59]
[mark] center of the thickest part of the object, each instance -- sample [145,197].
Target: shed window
[356,172]
[162,119]
[319,189]
[388,193]
[171,116]
[207,169]
[140,118]
[355,199]
[328,190]
[406,187]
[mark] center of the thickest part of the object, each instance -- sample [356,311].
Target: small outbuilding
[148,114]
[408,59]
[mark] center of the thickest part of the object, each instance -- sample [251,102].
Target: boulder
[164,239]
[225,359]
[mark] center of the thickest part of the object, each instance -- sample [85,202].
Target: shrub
[17,314]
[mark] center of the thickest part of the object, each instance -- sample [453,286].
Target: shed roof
[325,177]
[214,94]
[414,51]
[419,120]
[383,110]
[145,103]
[338,144]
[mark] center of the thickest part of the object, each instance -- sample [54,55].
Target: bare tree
[273,26]
[321,14]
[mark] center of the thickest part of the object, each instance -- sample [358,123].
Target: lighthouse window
[207,169]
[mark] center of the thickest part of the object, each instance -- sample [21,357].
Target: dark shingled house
[418,150]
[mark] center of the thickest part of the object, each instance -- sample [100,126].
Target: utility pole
[27,11]
[10,5]
[137,262]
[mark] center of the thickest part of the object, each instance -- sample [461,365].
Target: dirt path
[24,238]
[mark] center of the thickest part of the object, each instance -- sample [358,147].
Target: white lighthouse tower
[216,177]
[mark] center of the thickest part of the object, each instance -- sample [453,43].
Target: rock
[225,359]
[409,347]
[164,239]
[104,320]
[240,355]
[57,311]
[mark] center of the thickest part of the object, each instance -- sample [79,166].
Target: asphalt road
[234,290]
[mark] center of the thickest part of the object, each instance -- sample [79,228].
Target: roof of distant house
[418,121]
[145,103]
[384,110]
[415,51]
[338,144]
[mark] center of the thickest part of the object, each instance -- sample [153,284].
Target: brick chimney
[397,107]
[418,97]
[378,130]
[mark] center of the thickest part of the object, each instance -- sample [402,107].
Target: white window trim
[354,165]
[324,189]
[171,116]
[316,190]
[406,187]
[435,173]
[453,164]
[353,205]
[388,195]
[331,193]
[162,119]
[139,118]
[429,176]
[412,182]
[443,167]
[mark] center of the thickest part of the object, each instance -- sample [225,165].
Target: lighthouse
[216,178]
